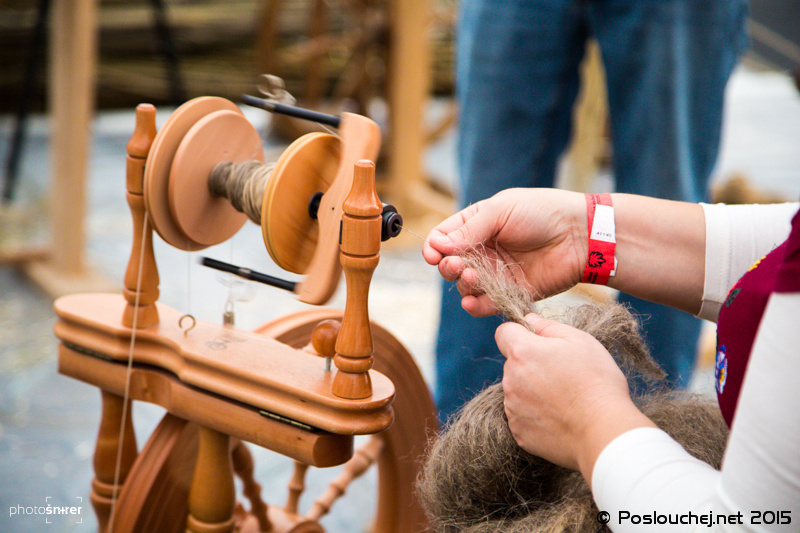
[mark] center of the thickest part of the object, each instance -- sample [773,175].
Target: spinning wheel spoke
[340,57]
[243,467]
[296,486]
[355,81]
[362,460]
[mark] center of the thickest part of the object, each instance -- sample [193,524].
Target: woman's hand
[539,233]
[565,397]
[542,235]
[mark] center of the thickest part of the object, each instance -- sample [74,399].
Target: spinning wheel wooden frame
[222,386]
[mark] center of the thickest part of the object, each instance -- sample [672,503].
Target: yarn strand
[243,184]
[495,278]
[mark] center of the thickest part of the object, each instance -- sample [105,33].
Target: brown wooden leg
[106,454]
[212,496]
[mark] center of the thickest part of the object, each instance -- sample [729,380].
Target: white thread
[126,394]
[188,281]
[412,233]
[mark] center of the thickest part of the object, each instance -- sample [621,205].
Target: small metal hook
[228,316]
[190,328]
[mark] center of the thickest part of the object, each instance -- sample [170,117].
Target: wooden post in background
[408,86]
[408,93]
[73,58]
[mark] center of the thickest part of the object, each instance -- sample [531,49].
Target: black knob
[392,222]
[313,205]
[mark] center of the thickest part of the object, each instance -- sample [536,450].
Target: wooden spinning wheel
[222,386]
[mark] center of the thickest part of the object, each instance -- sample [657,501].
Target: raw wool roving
[495,278]
[243,184]
[616,328]
[477,479]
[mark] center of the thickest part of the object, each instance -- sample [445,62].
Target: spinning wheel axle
[392,221]
[246,273]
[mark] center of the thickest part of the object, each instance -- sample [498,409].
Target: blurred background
[71,73]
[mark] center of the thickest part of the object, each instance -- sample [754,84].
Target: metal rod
[249,274]
[292,111]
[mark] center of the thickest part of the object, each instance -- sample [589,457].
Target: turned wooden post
[297,485]
[107,450]
[109,447]
[138,147]
[244,467]
[362,460]
[360,244]
[212,496]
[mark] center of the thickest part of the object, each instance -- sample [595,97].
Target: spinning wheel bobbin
[187,214]
[308,166]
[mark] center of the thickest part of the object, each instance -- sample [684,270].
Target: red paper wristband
[600,263]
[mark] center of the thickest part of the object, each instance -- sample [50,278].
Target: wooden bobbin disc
[158,168]
[309,165]
[206,219]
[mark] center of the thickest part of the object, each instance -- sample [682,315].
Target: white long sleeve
[643,473]
[736,237]
[761,472]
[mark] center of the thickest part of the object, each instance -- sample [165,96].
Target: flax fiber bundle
[476,478]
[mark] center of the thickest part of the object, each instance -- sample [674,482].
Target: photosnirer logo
[50,512]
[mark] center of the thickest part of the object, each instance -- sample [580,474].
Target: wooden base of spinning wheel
[220,361]
[155,493]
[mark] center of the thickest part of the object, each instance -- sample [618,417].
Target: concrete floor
[48,422]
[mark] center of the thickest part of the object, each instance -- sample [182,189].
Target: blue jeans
[667,63]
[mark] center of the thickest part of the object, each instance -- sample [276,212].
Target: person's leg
[667,64]
[516,82]
[467,358]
